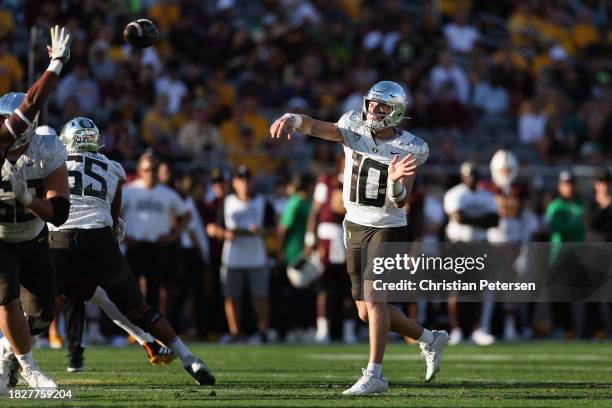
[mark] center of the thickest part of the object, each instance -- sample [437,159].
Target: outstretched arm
[21,118]
[289,122]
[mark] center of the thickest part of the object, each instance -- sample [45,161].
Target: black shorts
[85,259]
[360,238]
[26,272]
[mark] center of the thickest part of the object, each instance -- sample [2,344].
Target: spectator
[79,84]
[172,87]
[243,218]
[460,36]
[447,72]
[156,123]
[199,137]
[11,73]
[532,123]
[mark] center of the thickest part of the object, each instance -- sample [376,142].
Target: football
[141,33]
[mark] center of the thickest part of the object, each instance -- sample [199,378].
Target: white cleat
[482,338]
[368,385]
[456,336]
[433,353]
[36,379]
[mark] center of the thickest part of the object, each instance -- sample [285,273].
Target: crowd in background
[532,76]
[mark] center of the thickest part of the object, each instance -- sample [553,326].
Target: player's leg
[115,277]
[38,294]
[372,381]
[74,310]
[259,282]
[156,353]
[233,282]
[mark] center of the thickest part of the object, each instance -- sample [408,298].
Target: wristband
[397,192]
[297,119]
[310,239]
[56,67]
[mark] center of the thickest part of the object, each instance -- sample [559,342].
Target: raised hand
[283,126]
[59,49]
[400,168]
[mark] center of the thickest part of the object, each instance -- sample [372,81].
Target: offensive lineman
[33,190]
[85,248]
[375,189]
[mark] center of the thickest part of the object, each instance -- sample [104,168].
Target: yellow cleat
[158,354]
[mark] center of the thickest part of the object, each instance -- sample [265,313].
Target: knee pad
[38,324]
[150,317]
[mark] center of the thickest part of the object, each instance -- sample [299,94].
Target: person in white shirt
[471,210]
[149,209]
[447,71]
[461,36]
[243,218]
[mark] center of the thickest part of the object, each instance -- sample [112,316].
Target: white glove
[59,50]
[119,230]
[19,184]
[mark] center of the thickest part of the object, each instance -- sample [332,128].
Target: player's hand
[19,184]
[283,127]
[119,230]
[59,48]
[401,168]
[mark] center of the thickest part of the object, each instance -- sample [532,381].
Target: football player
[33,191]
[85,249]
[381,160]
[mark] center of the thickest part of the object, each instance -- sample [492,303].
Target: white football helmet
[305,271]
[81,134]
[390,94]
[8,104]
[504,168]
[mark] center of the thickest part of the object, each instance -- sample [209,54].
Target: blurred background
[531,77]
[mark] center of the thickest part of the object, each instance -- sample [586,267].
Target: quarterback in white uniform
[380,165]
[33,191]
[86,252]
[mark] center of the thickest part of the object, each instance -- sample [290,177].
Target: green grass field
[519,375]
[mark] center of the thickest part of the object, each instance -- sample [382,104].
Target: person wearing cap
[243,219]
[564,215]
[471,210]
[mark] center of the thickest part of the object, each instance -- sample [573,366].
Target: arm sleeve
[55,153]
[289,213]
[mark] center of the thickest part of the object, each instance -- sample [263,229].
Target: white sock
[322,326]
[26,360]
[182,351]
[6,345]
[375,369]
[101,299]
[426,338]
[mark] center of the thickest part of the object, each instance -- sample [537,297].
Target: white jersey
[244,251]
[148,212]
[474,203]
[93,180]
[43,155]
[364,190]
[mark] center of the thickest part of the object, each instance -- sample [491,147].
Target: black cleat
[14,376]
[76,361]
[200,372]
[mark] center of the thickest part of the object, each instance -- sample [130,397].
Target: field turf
[551,374]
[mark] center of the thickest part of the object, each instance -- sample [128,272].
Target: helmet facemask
[81,135]
[386,93]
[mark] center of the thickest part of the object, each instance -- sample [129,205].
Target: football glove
[119,230]
[59,50]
